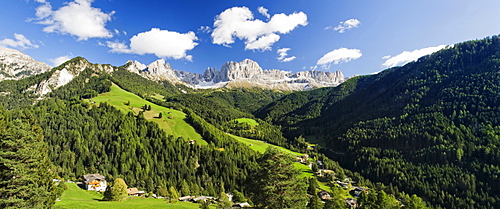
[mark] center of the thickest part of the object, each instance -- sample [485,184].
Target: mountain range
[247,73]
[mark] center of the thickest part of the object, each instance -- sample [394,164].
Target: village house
[342,184]
[357,191]
[186,198]
[304,159]
[242,205]
[135,192]
[351,203]
[323,195]
[202,198]
[94,182]
[320,164]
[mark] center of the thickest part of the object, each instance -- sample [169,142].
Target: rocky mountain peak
[65,73]
[240,70]
[16,65]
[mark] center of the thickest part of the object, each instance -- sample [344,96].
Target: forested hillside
[430,127]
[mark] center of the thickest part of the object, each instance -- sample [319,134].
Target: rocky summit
[15,65]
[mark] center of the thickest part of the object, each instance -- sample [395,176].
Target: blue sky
[356,37]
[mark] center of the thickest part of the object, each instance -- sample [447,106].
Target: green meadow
[75,198]
[248,121]
[172,121]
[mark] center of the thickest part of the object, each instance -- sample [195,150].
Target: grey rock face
[15,65]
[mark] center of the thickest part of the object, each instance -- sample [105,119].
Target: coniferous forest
[423,135]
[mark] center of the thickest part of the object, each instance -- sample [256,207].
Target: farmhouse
[134,192]
[323,195]
[95,182]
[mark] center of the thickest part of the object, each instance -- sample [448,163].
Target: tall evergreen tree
[277,183]
[174,194]
[25,171]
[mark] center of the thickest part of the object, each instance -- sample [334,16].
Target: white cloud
[21,42]
[205,29]
[386,57]
[162,43]
[283,53]
[346,25]
[339,56]
[118,47]
[263,11]
[76,18]
[406,56]
[239,22]
[264,42]
[60,60]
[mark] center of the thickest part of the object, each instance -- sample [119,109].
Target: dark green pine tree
[315,203]
[313,184]
[25,171]
[277,183]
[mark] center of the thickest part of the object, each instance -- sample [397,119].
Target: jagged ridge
[247,73]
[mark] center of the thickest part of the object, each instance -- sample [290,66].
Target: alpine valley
[422,135]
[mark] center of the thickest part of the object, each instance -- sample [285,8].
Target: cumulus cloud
[346,25]
[239,22]
[407,56]
[162,43]
[59,60]
[76,18]
[339,56]
[263,11]
[283,53]
[21,42]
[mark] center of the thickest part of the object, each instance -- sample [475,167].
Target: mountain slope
[430,127]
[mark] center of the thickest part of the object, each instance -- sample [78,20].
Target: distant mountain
[247,73]
[15,65]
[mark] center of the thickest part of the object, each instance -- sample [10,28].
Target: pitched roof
[90,177]
[132,190]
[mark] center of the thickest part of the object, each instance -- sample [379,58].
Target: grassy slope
[77,198]
[248,121]
[176,126]
[261,147]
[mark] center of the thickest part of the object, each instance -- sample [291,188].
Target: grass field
[172,121]
[248,121]
[261,146]
[76,198]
